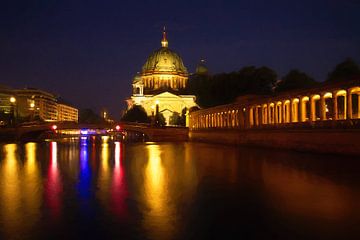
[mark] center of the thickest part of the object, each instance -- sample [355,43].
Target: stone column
[312,109]
[290,112]
[300,110]
[349,105]
[259,109]
[358,113]
[335,117]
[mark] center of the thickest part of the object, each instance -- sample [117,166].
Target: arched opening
[258,115]
[271,113]
[286,111]
[264,114]
[328,110]
[305,109]
[355,102]
[278,112]
[295,110]
[233,118]
[340,108]
[315,108]
[251,116]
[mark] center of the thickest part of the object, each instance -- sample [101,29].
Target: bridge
[41,130]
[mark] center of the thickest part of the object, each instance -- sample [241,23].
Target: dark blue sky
[88,51]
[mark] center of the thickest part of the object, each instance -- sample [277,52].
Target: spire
[164,41]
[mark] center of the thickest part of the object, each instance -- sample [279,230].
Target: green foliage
[177,119]
[295,79]
[225,87]
[136,114]
[344,71]
[160,120]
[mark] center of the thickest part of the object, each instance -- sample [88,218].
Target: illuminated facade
[37,104]
[67,113]
[161,82]
[33,104]
[326,106]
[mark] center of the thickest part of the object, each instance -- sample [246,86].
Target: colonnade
[159,81]
[324,105]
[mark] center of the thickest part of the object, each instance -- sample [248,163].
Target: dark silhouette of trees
[225,87]
[177,119]
[136,114]
[160,120]
[295,79]
[344,71]
[89,116]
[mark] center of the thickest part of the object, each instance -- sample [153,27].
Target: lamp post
[32,109]
[13,112]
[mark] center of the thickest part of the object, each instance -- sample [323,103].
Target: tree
[89,116]
[224,88]
[160,120]
[136,114]
[295,79]
[344,71]
[175,119]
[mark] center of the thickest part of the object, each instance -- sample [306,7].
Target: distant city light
[117,127]
[54,127]
[84,132]
[32,105]
[12,99]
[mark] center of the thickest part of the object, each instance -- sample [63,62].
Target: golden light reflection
[311,197]
[156,193]
[10,184]
[32,183]
[104,175]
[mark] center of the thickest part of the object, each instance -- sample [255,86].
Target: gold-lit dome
[164,61]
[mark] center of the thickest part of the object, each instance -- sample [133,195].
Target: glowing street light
[117,127]
[12,99]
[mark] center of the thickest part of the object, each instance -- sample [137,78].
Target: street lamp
[32,110]
[12,100]
[13,114]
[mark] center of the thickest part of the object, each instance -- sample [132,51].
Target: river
[72,190]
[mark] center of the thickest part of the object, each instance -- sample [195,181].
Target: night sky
[88,51]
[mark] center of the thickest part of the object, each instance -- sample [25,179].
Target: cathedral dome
[164,60]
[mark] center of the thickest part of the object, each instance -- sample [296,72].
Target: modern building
[29,104]
[67,113]
[36,104]
[161,84]
[7,105]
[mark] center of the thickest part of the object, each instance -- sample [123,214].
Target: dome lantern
[164,41]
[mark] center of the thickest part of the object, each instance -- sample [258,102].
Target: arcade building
[159,85]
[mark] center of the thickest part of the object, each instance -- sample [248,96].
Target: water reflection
[158,219]
[175,191]
[32,183]
[104,175]
[118,189]
[11,190]
[53,185]
[84,185]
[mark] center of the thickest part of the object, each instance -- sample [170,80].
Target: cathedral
[161,82]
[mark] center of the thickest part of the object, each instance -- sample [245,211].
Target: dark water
[175,191]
